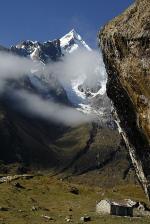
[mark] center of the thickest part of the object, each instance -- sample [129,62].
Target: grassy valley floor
[44,195]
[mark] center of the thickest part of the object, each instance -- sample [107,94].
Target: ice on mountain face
[102,90]
[74,95]
[82,90]
[72,41]
[35,54]
[28,45]
[44,53]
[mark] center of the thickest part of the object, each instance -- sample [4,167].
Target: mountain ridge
[35,143]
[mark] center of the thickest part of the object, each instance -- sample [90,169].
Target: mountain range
[60,75]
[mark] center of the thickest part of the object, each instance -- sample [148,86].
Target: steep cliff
[125,44]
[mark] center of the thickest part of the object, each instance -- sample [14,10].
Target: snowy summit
[72,41]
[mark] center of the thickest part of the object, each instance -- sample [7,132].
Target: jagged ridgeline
[125,43]
[90,149]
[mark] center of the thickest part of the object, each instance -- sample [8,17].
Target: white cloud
[59,113]
[70,67]
[80,62]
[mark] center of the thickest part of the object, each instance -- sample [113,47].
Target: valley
[74,125]
[45,196]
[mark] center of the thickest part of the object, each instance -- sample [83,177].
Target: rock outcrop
[125,44]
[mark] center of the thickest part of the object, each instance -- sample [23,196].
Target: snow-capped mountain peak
[72,41]
[80,91]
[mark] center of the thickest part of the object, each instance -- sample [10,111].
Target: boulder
[125,44]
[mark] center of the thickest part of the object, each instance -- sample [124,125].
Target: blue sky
[49,19]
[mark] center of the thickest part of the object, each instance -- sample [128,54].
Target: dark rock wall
[125,44]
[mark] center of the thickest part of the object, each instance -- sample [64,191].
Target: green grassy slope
[51,197]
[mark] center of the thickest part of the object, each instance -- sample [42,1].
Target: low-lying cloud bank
[80,63]
[13,67]
[37,106]
[72,66]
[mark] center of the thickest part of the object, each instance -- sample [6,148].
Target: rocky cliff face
[125,43]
